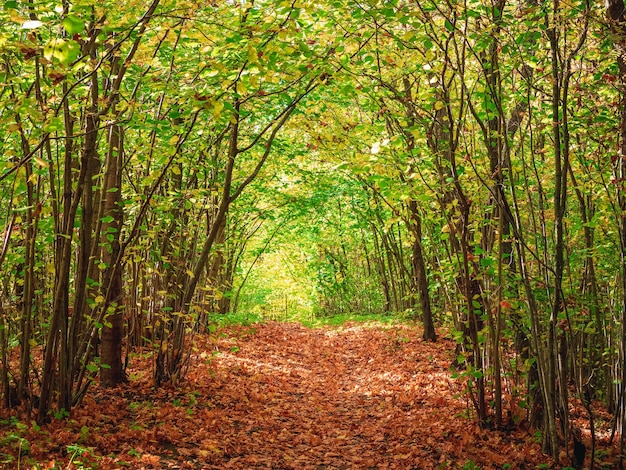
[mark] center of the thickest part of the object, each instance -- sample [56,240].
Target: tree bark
[420,280]
[111,369]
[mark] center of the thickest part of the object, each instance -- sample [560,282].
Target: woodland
[452,171]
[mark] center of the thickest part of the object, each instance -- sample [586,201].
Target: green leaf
[590,329]
[63,51]
[73,24]
[54,124]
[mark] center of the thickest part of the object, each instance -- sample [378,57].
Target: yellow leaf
[218,106]
[253,55]
[439,105]
[254,81]
[42,163]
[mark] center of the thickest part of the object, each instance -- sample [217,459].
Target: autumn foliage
[282,396]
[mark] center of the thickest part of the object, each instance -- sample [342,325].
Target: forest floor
[283,396]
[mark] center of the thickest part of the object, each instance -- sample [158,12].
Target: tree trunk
[111,370]
[420,280]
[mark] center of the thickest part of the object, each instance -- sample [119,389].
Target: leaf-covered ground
[282,396]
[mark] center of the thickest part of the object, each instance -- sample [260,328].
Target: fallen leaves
[285,396]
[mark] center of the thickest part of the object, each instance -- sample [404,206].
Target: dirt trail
[358,397]
[282,396]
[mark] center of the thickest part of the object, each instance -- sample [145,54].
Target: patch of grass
[239,318]
[341,319]
[217,321]
[135,426]
[139,405]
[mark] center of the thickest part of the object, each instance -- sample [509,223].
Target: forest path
[283,396]
[335,398]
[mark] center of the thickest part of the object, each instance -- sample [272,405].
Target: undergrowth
[246,319]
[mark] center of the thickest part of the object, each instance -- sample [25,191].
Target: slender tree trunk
[419,276]
[420,280]
[28,287]
[111,371]
[4,371]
